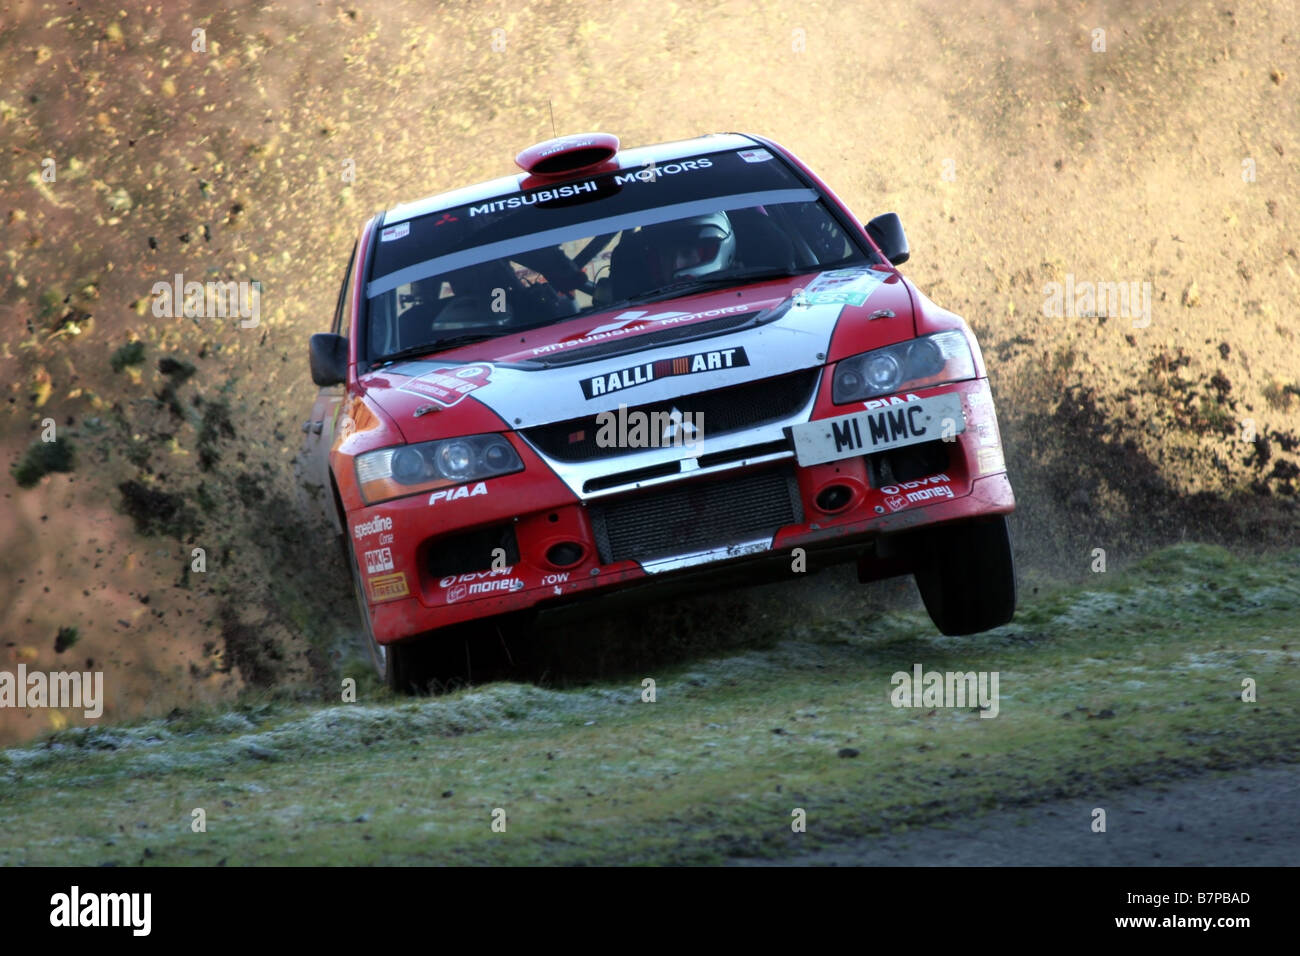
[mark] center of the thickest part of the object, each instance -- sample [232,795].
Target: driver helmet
[692,247]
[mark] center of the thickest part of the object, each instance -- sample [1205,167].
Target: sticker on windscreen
[395,232]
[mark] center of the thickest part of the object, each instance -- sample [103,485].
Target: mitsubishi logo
[676,425]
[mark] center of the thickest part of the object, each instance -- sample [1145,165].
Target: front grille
[592,485]
[696,516]
[614,479]
[724,410]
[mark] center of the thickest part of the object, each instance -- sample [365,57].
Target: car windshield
[536,258]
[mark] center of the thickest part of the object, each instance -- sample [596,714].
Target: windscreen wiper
[438,345]
[706,282]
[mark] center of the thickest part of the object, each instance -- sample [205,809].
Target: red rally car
[622,372]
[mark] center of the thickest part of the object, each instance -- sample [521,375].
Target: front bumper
[527,515]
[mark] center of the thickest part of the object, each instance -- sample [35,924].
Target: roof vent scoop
[566,155]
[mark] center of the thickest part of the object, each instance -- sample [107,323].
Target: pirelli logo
[716,360]
[388,587]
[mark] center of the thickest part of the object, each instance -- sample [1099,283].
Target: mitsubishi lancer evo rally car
[622,373]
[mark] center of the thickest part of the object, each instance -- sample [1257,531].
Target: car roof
[625,158]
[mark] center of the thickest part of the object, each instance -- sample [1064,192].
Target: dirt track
[1238,819]
[1017,151]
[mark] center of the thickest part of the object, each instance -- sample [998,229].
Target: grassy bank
[1137,678]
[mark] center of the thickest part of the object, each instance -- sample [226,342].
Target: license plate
[893,426]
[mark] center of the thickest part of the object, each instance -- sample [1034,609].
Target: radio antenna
[554,131]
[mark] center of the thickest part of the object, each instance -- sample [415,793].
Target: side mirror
[329,359]
[886,230]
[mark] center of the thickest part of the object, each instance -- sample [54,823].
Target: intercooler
[695,516]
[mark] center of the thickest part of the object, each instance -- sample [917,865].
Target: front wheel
[967,576]
[396,664]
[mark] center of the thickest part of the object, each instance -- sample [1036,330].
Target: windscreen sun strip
[554,237]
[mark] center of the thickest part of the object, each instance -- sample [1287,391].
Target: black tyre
[967,576]
[399,665]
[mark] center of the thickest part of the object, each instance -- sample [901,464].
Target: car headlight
[927,360]
[409,469]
